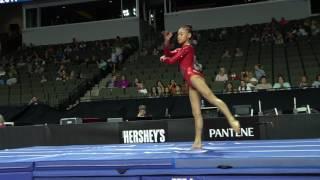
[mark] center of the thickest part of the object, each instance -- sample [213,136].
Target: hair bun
[189,25]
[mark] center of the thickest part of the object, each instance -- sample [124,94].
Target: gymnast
[192,74]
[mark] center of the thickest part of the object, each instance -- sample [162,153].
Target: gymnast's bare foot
[235,125]
[196,145]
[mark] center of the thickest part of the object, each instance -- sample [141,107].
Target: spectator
[255,38]
[243,87]
[102,65]
[136,82]
[252,83]
[238,53]
[112,82]
[142,111]
[223,34]
[172,86]
[290,37]
[315,29]
[178,90]
[281,84]
[212,37]
[155,52]
[302,31]
[153,92]
[123,83]
[67,50]
[316,83]
[221,76]
[184,88]
[2,76]
[233,76]
[43,79]
[63,76]
[160,87]
[2,121]
[141,89]
[166,92]
[263,84]
[229,88]
[12,76]
[144,52]
[73,75]
[283,22]
[226,54]
[259,71]
[303,82]
[278,38]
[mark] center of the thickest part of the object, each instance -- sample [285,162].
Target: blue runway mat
[246,158]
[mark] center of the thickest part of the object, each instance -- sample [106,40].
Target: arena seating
[290,59]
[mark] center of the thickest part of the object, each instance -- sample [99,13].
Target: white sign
[229,132]
[144,136]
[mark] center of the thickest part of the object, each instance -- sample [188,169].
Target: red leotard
[185,57]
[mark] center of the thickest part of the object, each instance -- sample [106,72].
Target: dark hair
[262,77]
[280,76]
[188,28]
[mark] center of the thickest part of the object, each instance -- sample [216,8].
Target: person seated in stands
[238,53]
[166,92]
[63,76]
[155,52]
[184,88]
[226,54]
[233,76]
[252,83]
[178,90]
[303,83]
[160,91]
[259,72]
[243,87]
[2,121]
[142,111]
[73,75]
[212,37]
[136,82]
[222,35]
[221,76]
[283,22]
[281,84]
[2,76]
[302,31]
[290,36]
[315,29]
[228,88]
[278,39]
[112,82]
[316,83]
[144,52]
[123,83]
[43,79]
[67,49]
[102,65]
[153,92]
[141,89]
[160,87]
[172,87]
[255,38]
[12,76]
[263,84]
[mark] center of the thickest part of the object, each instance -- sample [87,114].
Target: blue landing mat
[282,157]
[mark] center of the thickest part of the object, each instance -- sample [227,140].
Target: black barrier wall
[177,106]
[158,131]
